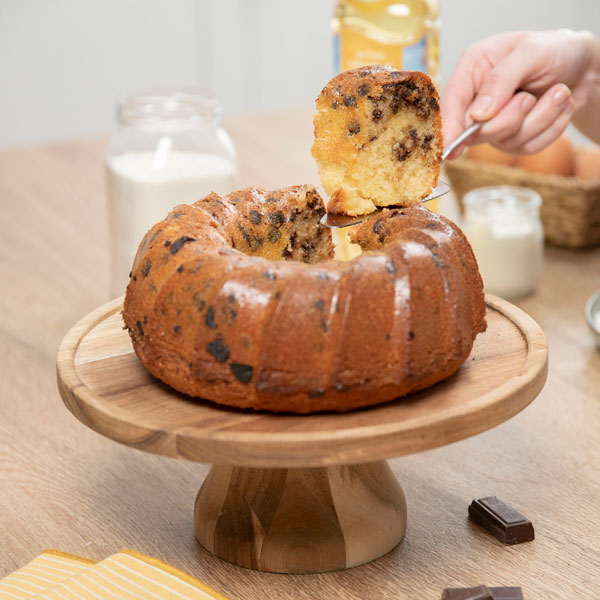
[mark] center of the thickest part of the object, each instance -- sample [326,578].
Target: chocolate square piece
[473,593]
[507,593]
[483,593]
[501,520]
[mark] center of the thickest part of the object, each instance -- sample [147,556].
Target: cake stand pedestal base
[301,520]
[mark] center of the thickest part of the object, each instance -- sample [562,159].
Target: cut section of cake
[378,139]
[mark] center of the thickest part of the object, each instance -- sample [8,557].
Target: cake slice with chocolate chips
[378,139]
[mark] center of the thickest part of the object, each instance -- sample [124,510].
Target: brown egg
[487,153]
[557,158]
[587,163]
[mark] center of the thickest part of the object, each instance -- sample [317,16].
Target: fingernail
[527,103]
[480,107]
[561,96]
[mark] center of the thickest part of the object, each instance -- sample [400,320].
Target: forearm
[587,116]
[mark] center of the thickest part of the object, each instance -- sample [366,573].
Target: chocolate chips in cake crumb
[376,114]
[276,218]
[177,329]
[241,372]
[218,349]
[353,128]
[274,235]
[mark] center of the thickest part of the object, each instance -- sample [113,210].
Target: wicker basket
[570,209]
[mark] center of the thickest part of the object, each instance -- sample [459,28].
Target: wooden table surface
[64,486]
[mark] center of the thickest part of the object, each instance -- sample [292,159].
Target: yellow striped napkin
[127,575]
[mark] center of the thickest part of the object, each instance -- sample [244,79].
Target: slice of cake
[378,139]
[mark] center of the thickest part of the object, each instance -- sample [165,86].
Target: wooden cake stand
[290,493]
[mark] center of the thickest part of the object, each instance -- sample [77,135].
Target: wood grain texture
[104,385]
[308,520]
[62,485]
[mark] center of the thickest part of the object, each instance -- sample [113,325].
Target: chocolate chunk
[505,523]
[507,593]
[179,242]
[323,325]
[198,302]
[411,334]
[277,218]
[242,372]
[146,268]
[353,128]
[474,593]
[376,114]
[140,328]
[319,305]
[363,89]
[218,349]
[167,242]
[274,235]
[380,230]
[350,101]
[495,593]
[209,320]
[255,217]
[177,328]
[180,269]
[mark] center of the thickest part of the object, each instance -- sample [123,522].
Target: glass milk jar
[169,148]
[503,226]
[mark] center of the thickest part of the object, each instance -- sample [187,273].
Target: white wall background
[62,63]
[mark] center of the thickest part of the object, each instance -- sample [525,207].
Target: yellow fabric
[126,575]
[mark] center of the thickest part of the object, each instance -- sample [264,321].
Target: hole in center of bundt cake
[283,225]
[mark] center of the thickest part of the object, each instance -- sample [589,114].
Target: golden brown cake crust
[214,318]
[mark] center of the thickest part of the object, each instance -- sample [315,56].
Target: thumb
[498,86]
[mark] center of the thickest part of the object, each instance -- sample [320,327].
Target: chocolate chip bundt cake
[236,299]
[378,139]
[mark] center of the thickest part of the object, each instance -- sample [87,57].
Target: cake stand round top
[105,386]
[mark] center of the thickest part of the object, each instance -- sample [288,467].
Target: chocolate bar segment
[501,520]
[483,593]
[507,593]
[473,593]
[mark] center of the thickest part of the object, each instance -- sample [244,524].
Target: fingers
[500,84]
[542,124]
[545,138]
[505,124]
[508,122]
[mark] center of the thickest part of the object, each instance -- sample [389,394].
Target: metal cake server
[337,221]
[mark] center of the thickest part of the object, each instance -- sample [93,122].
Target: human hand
[526,84]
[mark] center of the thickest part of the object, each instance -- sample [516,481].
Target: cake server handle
[334,221]
[461,138]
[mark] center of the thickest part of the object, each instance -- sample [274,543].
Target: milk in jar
[169,149]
